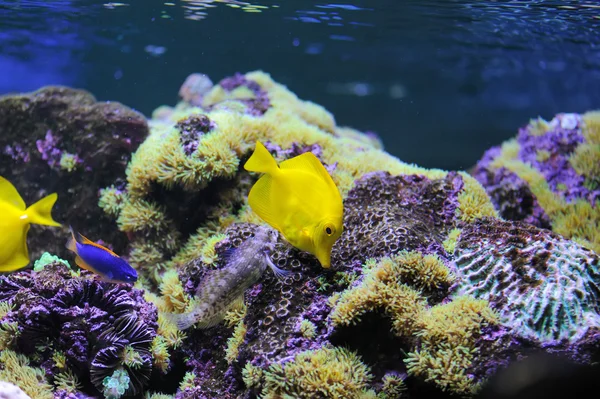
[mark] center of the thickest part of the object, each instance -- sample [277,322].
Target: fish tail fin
[40,212]
[72,241]
[261,161]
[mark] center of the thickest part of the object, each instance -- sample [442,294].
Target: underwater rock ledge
[439,280]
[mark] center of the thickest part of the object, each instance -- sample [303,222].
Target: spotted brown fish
[220,289]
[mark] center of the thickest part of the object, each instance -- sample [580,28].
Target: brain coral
[549,176]
[547,288]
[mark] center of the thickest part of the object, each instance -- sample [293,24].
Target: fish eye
[329,230]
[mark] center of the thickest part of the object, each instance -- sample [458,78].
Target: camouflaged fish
[224,288]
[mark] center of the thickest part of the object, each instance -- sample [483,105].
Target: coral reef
[429,292]
[62,140]
[549,176]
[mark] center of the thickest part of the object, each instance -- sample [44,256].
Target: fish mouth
[324,258]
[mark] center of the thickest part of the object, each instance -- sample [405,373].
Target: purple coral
[81,318]
[385,214]
[560,141]
[548,151]
[191,129]
[48,148]
[510,194]
[256,106]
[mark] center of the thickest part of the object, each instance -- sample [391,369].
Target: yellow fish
[299,199]
[14,224]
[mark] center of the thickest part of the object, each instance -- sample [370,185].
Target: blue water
[439,81]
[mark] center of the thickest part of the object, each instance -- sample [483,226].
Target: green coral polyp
[448,335]
[68,162]
[327,372]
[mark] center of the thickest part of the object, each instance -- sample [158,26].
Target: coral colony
[439,279]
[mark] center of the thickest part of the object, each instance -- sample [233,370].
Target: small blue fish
[100,260]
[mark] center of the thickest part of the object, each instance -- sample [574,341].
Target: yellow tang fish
[14,224]
[299,199]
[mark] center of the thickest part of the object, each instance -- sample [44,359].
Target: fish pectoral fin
[211,321]
[279,273]
[8,193]
[261,202]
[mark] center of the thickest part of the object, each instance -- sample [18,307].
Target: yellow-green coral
[252,376]
[384,286]
[235,315]
[67,381]
[392,387]
[60,360]
[450,242]
[308,329]
[5,308]
[327,373]
[380,289]
[9,332]
[188,381]
[68,162]
[14,368]
[111,200]
[577,220]
[160,353]
[448,336]
[234,342]
[473,201]
[175,297]
[586,162]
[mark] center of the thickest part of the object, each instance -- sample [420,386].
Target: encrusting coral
[411,305]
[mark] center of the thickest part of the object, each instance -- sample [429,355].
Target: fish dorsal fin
[9,194]
[309,163]
[261,201]
[84,240]
[261,160]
